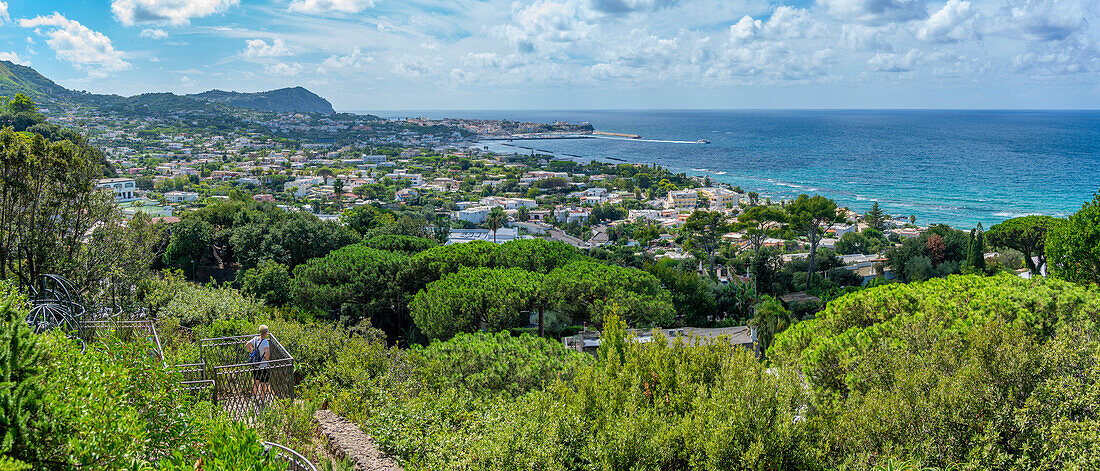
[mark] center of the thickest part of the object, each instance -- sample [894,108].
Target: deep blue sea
[954,167]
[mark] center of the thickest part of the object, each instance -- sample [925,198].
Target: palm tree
[770,318]
[496,219]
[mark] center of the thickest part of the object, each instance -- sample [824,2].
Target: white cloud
[88,50]
[4,18]
[154,34]
[547,25]
[785,23]
[856,37]
[354,60]
[891,62]
[952,23]
[416,66]
[875,12]
[1072,56]
[13,57]
[174,12]
[1048,20]
[282,68]
[260,48]
[318,7]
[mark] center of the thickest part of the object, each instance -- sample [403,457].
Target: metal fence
[122,329]
[243,388]
[295,461]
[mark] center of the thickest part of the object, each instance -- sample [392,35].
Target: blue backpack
[256,355]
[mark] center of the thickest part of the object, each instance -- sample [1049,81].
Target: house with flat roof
[123,188]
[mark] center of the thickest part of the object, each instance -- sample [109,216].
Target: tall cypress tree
[975,255]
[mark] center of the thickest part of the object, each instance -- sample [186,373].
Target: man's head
[263,330]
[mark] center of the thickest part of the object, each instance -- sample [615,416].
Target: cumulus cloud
[87,50]
[548,25]
[174,12]
[154,34]
[785,23]
[875,12]
[891,62]
[490,60]
[354,60]
[415,66]
[952,23]
[256,48]
[1049,20]
[14,58]
[320,7]
[4,18]
[1073,56]
[282,68]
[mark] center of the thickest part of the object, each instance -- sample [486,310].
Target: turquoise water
[954,167]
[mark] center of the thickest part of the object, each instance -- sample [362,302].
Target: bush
[487,364]
[269,281]
[952,370]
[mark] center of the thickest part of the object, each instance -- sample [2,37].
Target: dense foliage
[475,299]
[488,364]
[1073,245]
[954,371]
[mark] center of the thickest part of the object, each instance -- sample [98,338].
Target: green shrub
[269,281]
[487,364]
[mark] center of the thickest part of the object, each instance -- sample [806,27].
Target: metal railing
[123,329]
[296,462]
[243,388]
[202,389]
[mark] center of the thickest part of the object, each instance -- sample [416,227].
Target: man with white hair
[259,353]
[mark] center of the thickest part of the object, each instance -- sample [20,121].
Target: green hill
[15,78]
[294,99]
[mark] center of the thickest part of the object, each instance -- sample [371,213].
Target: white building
[374,159]
[413,178]
[181,196]
[123,188]
[474,214]
[302,185]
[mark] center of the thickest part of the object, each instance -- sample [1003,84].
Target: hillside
[294,99]
[16,78]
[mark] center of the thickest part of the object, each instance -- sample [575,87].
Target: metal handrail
[281,362]
[223,341]
[300,462]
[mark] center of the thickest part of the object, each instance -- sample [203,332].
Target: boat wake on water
[661,141]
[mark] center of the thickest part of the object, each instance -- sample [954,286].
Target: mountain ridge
[15,78]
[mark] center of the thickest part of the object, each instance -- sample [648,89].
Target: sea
[953,167]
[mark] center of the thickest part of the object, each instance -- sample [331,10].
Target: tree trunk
[813,260]
[1030,263]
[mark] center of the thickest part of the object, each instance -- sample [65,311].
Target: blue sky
[575,54]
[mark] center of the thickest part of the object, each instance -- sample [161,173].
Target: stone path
[347,441]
